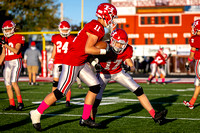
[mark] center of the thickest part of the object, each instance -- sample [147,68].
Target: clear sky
[72,10]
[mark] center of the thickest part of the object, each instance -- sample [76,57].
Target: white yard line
[104,116]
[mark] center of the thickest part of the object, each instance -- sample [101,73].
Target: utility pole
[61,11]
[82,14]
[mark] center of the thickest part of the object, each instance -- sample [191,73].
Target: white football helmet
[8,25]
[64,25]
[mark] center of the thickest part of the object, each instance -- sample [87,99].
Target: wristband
[192,51]
[102,51]
[94,62]
[190,59]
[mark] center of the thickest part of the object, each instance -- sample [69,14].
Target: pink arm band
[192,51]
[190,59]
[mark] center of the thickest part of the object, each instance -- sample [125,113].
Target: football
[101,45]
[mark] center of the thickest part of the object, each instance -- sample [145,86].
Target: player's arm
[192,52]
[190,58]
[50,62]
[2,56]
[14,50]
[53,52]
[90,45]
[130,63]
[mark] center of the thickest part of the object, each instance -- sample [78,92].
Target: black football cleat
[89,123]
[20,106]
[10,107]
[67,104]
[37,126]
[160,116]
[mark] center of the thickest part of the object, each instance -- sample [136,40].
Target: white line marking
[104,116]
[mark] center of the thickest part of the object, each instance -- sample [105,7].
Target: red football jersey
[159,59]
[76,54]
[195,42]
[62,44]
[12,41]
[112,62]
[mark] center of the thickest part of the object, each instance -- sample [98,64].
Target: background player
[83,45]
[158,60]
[160,69]
[112,70]
[11,54]
[194,53]
[60,47]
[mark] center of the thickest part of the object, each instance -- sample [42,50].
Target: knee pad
[96,103]
[95,89]
[139,91]
[55,83]
[58,94]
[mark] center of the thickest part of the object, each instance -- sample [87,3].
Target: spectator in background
[32,57]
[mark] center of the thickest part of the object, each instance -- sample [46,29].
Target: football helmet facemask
[107,12]
[196,27]
[8,28]
[64,25]
[119,36]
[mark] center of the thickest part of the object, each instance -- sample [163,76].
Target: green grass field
[120,110]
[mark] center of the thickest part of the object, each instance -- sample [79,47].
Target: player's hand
[50,64]
[108,48]
[126,68]
[170,55]
[60,68]
[187,66]
[98,68]
[2,41]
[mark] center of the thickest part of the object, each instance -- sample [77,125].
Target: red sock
[152,113]
[12,102]
[86,111]
[43,106]
[156,80]
[68,96]
[19,99]
[192,101]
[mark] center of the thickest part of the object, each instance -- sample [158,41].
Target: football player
[158,60]
[112,70]
[194,54]
[60,47]
[82,46]
[11,55]
[160,69]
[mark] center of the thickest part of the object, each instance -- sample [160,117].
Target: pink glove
[50,64]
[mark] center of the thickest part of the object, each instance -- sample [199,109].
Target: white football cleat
[186,103]
[35,118]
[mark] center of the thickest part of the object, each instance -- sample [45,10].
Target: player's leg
[190,103]
[162,75]
[127,81]
[34,72]
[7,82]
[29,74]
[89,78]
[68,98]
[152,74]
[56,75]
[79,83]
[67,78]
[16,70]
[103,79]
